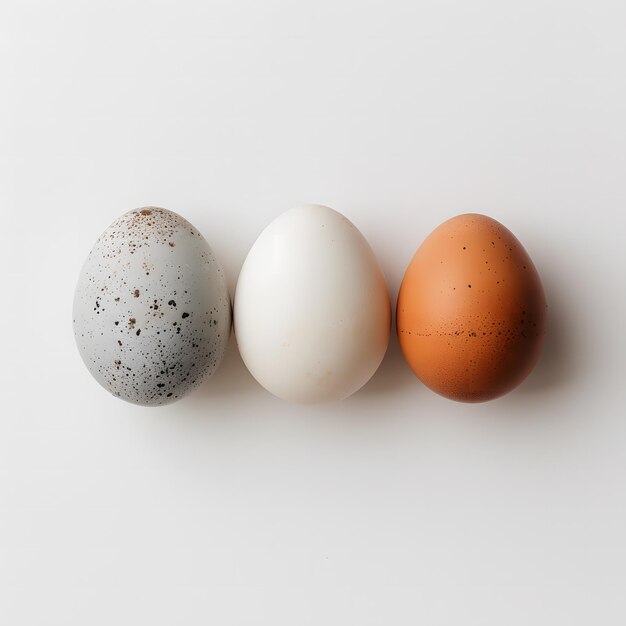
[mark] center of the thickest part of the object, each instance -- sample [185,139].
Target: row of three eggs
[152,314]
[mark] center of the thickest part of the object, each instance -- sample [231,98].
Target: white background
[396,506]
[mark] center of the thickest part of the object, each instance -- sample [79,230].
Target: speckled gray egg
[152,314]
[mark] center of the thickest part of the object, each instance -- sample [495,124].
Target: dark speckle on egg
[143,269]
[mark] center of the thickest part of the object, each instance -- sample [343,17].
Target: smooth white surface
[311,312]
[395,506]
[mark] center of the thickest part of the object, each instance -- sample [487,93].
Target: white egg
[152,314]
[312,313]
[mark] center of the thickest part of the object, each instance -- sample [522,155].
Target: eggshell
[312,313]
[152,314]
[471,314]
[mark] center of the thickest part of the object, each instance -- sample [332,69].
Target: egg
[151,313]
[312,313]
[471,311]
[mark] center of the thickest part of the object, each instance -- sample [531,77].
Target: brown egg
[471,313]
